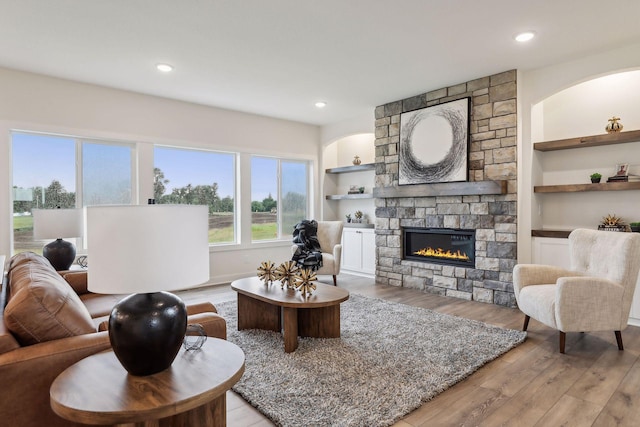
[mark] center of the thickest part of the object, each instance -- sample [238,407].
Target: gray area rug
[390,359]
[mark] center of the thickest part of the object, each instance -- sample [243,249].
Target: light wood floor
[593,384]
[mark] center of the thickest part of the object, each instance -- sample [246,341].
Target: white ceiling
[278,57]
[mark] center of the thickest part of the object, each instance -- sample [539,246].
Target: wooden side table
[192,392]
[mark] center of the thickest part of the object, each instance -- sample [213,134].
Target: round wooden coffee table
[317,316]
[98,391]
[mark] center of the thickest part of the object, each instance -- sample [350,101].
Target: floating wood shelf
[442,189]
[577,188]
[358,225]
[349,196]
[589,141]
[561,234]
[354,168]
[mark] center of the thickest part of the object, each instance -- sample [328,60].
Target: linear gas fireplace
[440,245]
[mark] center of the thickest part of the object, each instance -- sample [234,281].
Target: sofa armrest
[214,325]
[77,280]
[201,307]
[26,374]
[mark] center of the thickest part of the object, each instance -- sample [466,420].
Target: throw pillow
[42,306]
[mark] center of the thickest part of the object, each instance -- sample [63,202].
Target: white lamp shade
[147,248]
[57,223]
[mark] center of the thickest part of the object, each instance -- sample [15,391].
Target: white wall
[37,103]
[578,112]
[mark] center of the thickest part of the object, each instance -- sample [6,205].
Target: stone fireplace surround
[486,204]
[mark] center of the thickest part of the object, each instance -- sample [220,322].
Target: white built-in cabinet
[359,250]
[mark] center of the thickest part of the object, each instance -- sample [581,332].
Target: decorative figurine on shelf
[266,272]
[613,126]
[613,223]
[304,281]
[286,273]
[356,160]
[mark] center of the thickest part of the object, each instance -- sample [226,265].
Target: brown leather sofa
[49,322]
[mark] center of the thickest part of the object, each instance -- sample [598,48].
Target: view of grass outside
[278,188]
[45,173]
[185,176]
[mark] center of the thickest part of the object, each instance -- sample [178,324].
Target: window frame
[78,170]
[236,186]
[280,236]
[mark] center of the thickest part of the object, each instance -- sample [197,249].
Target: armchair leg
[334,280]
[526,322]
[562,337]
[619,340]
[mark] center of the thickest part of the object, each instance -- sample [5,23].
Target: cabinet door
[351,249]
[551,251]
[369,251]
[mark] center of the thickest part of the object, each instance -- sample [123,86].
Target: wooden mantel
[442,189]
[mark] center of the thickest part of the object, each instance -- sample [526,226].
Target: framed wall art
[434,144]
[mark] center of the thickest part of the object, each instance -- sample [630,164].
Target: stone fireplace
[439,246]
[484,206]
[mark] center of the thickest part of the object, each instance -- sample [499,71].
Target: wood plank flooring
[593,384]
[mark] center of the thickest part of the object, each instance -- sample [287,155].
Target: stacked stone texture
[492,156]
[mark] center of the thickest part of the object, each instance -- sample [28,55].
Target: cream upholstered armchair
[330,239]
[595,295]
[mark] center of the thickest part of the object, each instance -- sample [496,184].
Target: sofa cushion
[99,305]
[42,306]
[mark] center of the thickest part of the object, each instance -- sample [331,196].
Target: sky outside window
[39,159]
[183,167]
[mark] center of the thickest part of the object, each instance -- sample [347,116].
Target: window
[106,174]
[199,177]
[46,176]
[279,197]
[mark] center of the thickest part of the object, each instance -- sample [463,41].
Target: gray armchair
[594,295]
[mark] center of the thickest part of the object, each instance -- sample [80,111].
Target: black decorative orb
[147,330]
[60,254]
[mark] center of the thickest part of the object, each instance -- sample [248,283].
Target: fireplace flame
[441,253]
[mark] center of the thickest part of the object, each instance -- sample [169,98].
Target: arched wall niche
[341,152]
[576,110]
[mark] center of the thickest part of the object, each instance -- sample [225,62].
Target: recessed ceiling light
[525,37]
[165,68]
[321,104]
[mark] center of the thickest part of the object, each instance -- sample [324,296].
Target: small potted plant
[358,216]
[595,177]
[635,227]
[348,216]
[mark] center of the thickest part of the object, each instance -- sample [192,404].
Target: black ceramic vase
[147,330]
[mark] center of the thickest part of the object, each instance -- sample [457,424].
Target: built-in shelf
[349,196]
[442,189]
[589,141]
[358,225]
[576,188]
[354,168]
[560,234]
